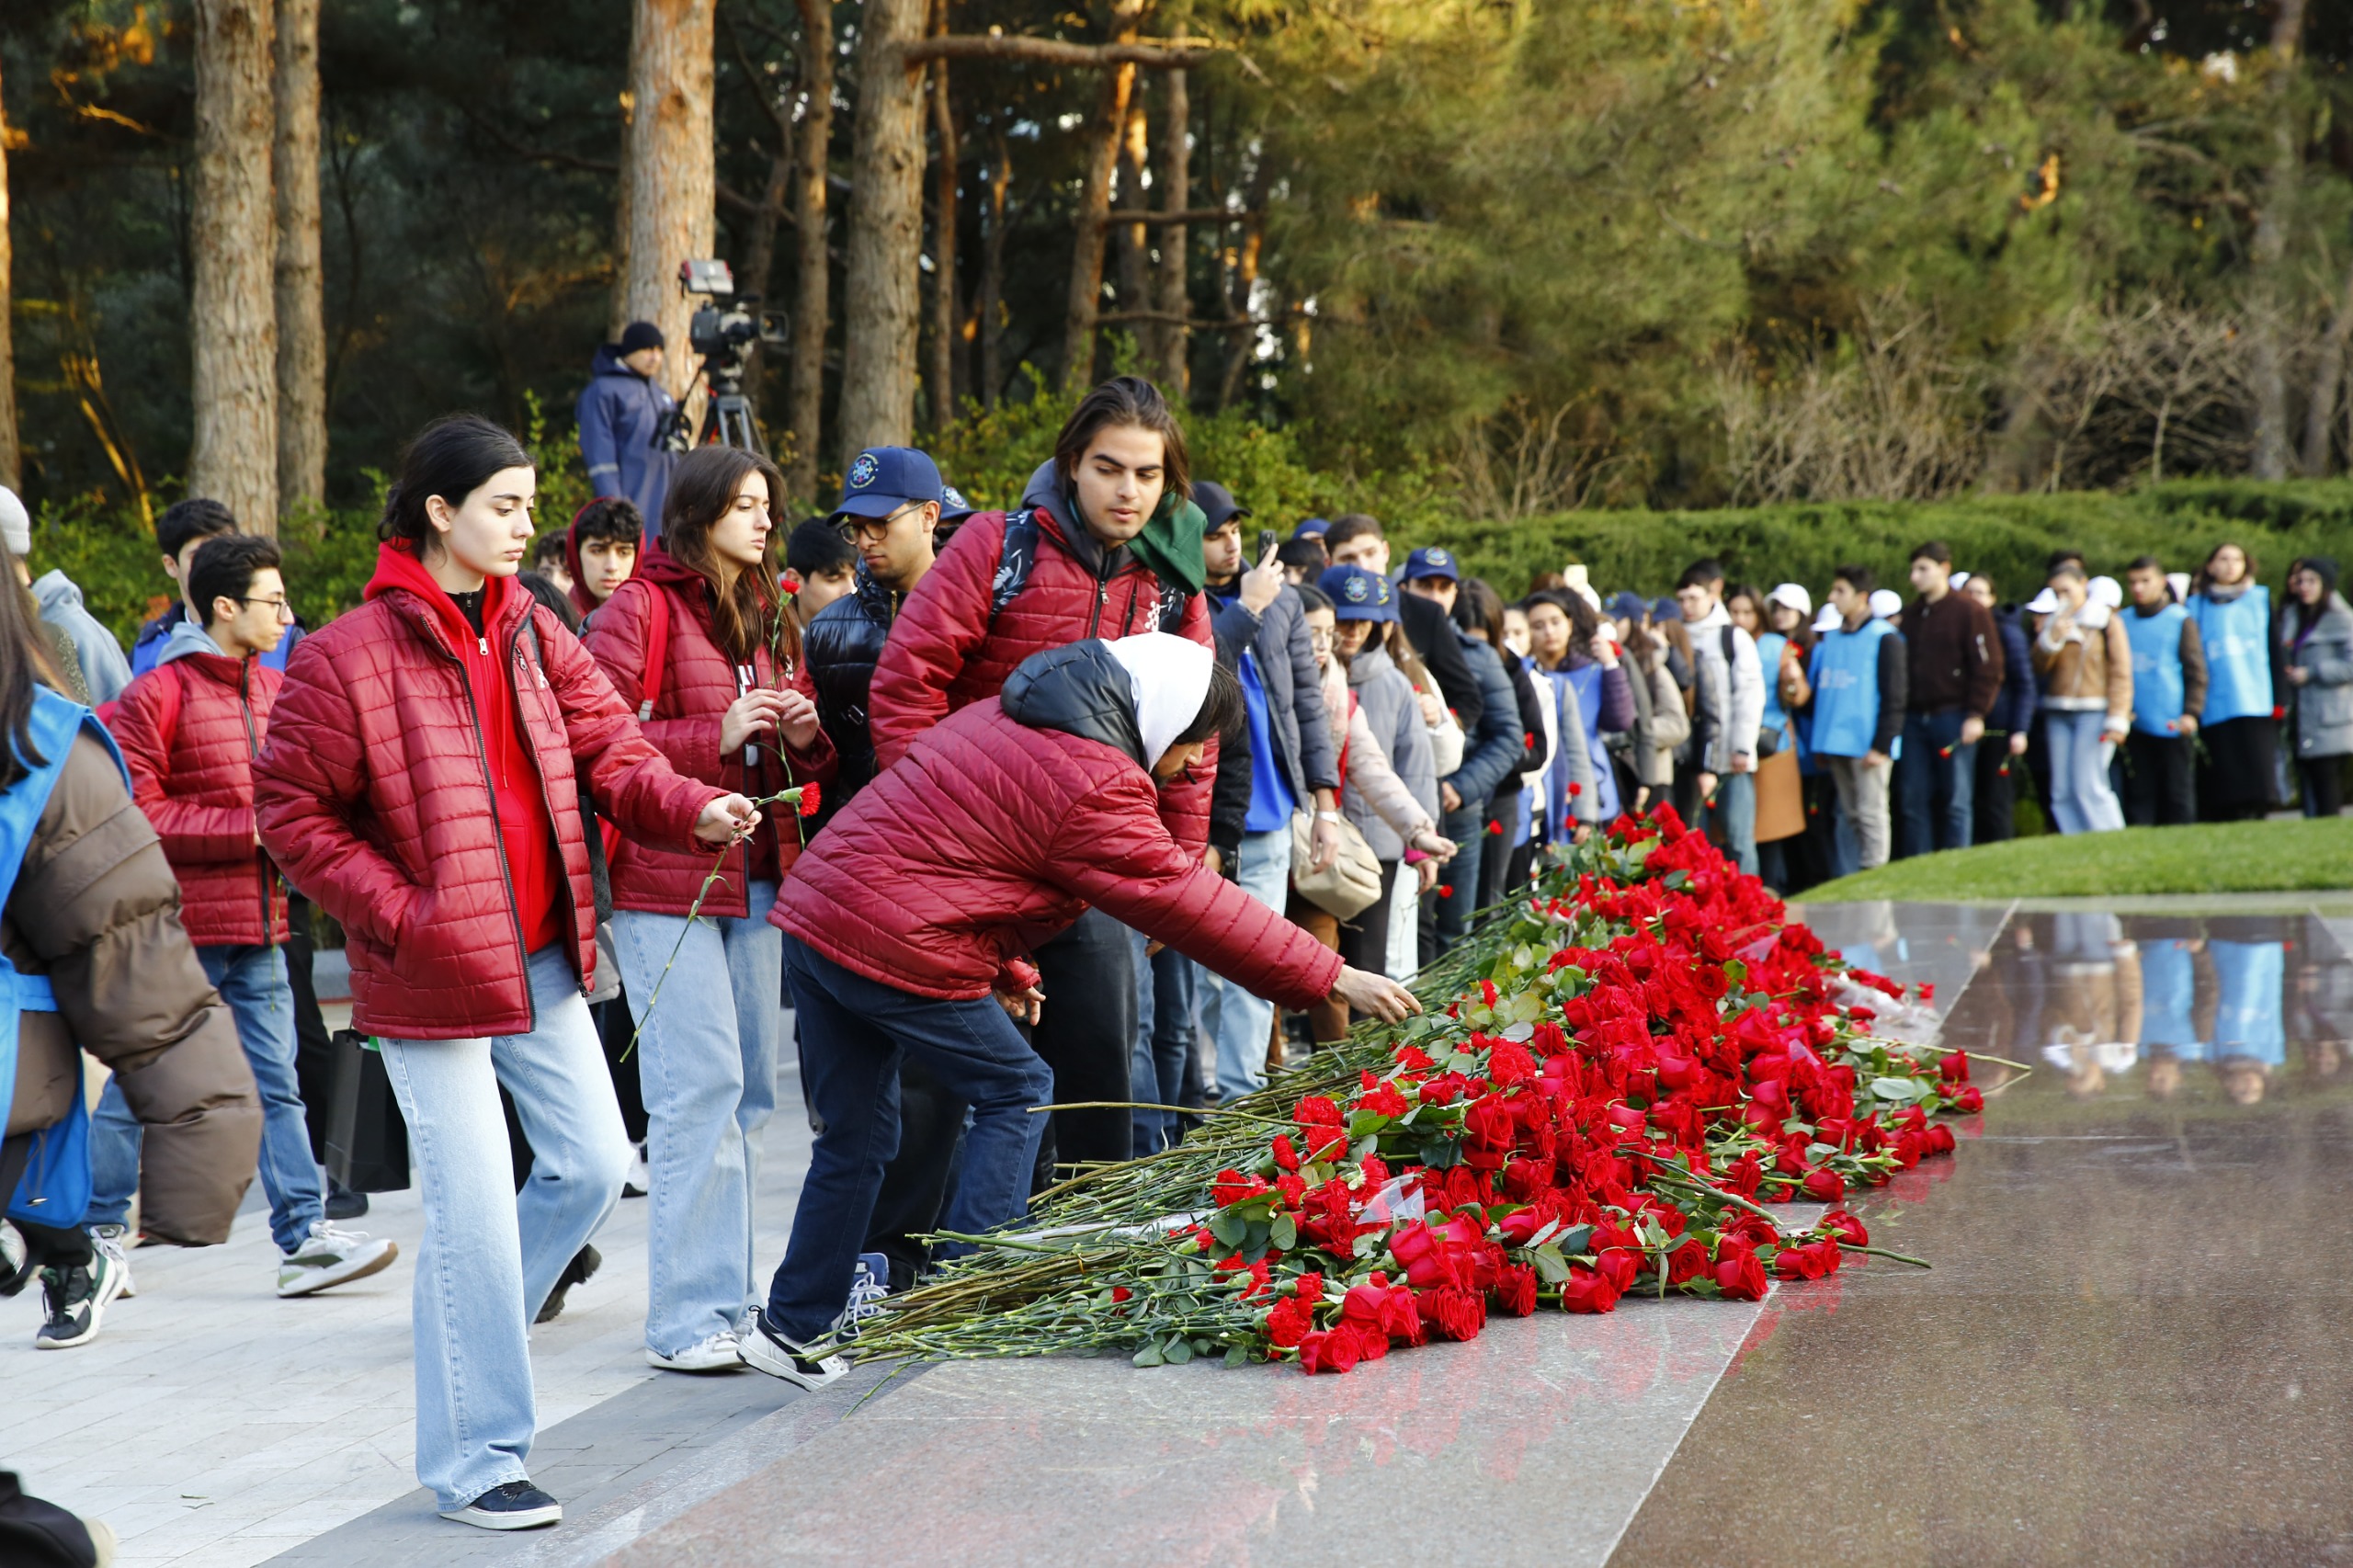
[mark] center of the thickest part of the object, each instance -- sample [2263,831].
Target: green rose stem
[1998,1060]
[718,874]
[1882,1252]
[1141,1105]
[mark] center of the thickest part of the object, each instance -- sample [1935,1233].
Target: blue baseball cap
[1666,609]
[881,480]
[1628,605]
[1314,527]
[1431,561]
[1358,594]
[953,508]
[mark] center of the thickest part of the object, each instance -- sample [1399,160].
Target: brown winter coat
[96,909]
[2085,667]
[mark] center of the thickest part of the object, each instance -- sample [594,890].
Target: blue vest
[55,1188]
[2236,634]
[2157,667]
[1845,689]
[2249,1021]
[2168,995]
[1587,681]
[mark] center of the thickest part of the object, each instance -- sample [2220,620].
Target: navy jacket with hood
[621,414]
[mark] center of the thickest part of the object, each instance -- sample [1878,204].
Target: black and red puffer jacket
[698,685]
[1001,825]
[190,728]
[948,650]
[422,784]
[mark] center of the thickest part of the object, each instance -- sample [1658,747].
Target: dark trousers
[2324,781]
[1934,779]
[1453,909]
[313,1059]
[918,1180]
[2160,781]
[854,1032]
[1167,1041]
[1996,797]
[1495,854]
[1087,1035]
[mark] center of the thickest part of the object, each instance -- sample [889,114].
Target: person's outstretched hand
[1374,994]
[725,820]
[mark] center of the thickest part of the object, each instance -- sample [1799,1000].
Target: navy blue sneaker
[518,1505]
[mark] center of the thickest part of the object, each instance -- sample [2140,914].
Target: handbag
[1781,797]
[367,1141]
[1351,883]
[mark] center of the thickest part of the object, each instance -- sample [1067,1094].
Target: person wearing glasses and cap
[190,728]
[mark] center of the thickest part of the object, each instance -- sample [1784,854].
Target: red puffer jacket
[380,788]
[946,652]
[998,828]
[189,730]
[698,686]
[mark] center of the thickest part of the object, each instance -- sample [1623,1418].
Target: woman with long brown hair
[696,645]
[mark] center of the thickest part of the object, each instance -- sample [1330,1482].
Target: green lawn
[2256,856]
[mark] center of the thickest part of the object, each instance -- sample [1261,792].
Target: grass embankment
[2254,856]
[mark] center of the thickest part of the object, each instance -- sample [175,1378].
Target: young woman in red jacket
[421,781]
[907,926]
[704,602]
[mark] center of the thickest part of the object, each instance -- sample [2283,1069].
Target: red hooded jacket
[698,686]
[947,651]
[190,728]
[994,831]
[419,782]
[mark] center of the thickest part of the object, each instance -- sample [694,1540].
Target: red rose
[1452,1313]
[1587,1291]
[1425,1255]
[1330,1350]
[1363,1304]
[1738,1273]
[1971,1098]
[1516,1290]
[1940,1139]
[1495,829]
[1823,1186]
[1846,1228]
[1446,890]
[1953,1068]
[1371,1343]
[1686,1262]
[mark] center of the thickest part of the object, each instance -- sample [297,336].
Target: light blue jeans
[252,980]
[1165,985]
[2081,798]
[1736,817]
[709,1071]
[491,1255]
[1239,1022]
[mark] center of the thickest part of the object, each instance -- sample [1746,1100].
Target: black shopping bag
[367,1140]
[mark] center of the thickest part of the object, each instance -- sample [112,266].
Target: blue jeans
[2081,799]
[491,1255]
[252,980]
[708,1066]
[1935,794]
[852,1031]
[1164,992]
[1240,1023]
[1736,817]
[1468,828]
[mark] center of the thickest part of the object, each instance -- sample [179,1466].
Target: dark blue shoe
[518,1505]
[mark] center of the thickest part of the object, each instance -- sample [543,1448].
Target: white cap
[2107,591]
[1960,580]
[2180,582]
[1171,677]
[1793,596]
[1886,603]
[1828,620]
[16,523]
[1573,577]
[2042,603]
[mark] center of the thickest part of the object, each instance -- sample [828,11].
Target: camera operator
[625,417]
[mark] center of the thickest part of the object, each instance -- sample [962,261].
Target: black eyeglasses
[851,530]
[285,610]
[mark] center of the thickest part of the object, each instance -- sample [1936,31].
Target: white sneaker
[108,1239]
[765,1350]
[720,1352]
[638,1181]
[330,1255]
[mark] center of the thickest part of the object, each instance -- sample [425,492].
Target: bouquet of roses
[1619,1076]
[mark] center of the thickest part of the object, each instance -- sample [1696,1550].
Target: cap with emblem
[1431,561]
[881,480]
[953,508]
[1358,594]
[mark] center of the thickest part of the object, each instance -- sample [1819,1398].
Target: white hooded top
[1171,677]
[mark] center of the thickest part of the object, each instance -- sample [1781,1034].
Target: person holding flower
[696,645]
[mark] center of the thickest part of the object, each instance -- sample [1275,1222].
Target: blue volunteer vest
[2157,667]
[2168,997]
[2249,1020]
[55,1187]
[2236,635]
[1845,689]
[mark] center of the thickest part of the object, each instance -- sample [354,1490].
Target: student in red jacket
[905,930]
[1101,547]
[421,781]
[705,595]
[189,729]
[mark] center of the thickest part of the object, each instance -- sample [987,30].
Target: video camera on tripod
[721,334]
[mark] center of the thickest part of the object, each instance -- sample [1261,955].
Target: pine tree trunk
[1133,291]
[232,308]
[991,305]
[881,312]
[616,307]
[671,172]
[2328,376]
[1176,195]
[1095,202]
[301,305]
[11,459]
[759,250]
[2268,327]
[812,307]
[940,375]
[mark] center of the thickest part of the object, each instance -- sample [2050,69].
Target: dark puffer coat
[192,773]
[947,651]
[698,686]
[837,658]
[376,793]
[1000,825]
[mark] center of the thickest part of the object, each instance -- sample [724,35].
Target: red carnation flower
[809,797]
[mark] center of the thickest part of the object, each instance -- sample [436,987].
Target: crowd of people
[1094,804]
